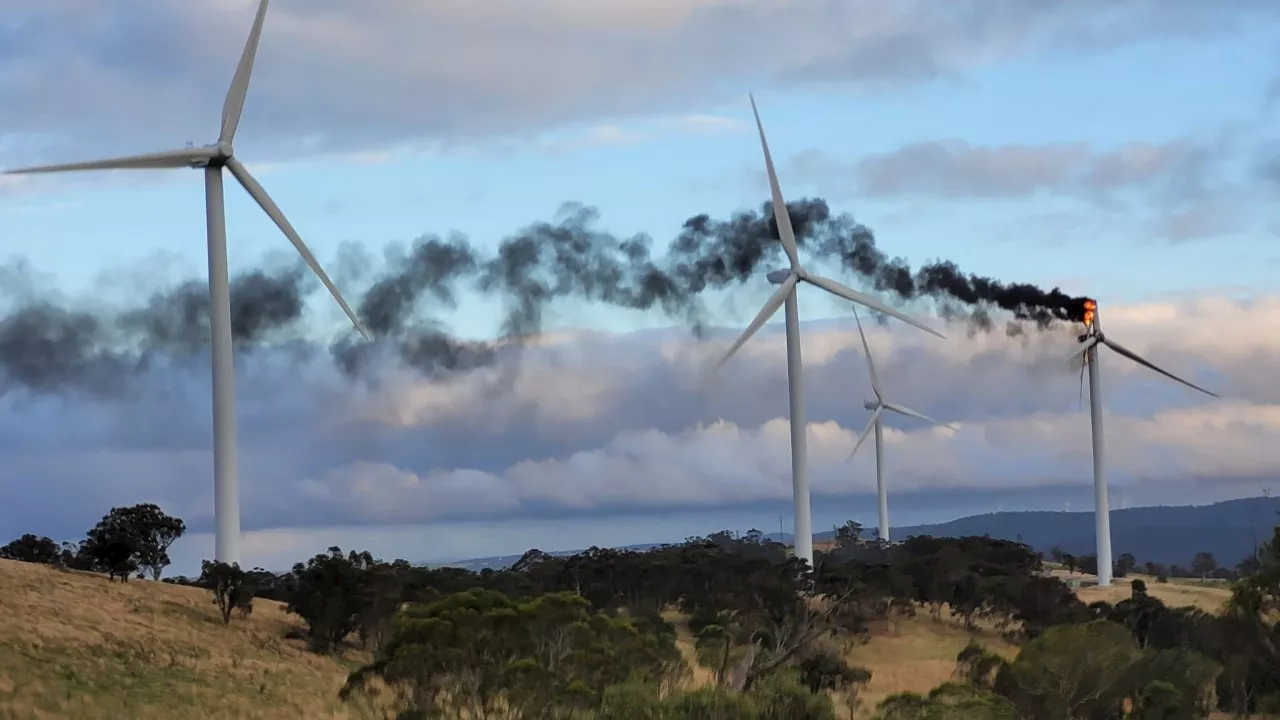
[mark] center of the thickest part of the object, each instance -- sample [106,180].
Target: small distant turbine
[789,279]
[212,159]
[877,408]
[1087,353]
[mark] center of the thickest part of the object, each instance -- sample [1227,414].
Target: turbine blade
[1135,357]
[871,425]
[785,233]
[1083,364]
[918,415]
[150,161]
[269,206]
[871,365]
[852,295]
[233,106]
[788,286]
[1082,348]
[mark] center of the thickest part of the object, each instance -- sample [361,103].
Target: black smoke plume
[46,345]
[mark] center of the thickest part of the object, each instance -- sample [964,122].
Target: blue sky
[1117,157]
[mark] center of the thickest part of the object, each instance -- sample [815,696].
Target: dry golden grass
[1210,596]
[73,645]
[918,654]
[699,676]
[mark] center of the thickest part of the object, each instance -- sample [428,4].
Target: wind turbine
[212,159]
[1087,353]
[785,295]
[878,406]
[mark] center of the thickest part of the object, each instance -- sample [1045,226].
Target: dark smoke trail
[393,312]
[541,264]
[176,321]
[45,345]
[958,294]
[712,255]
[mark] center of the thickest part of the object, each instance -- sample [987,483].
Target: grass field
[73,645]
[1208,595]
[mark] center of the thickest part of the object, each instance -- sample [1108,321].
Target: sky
[1120,151]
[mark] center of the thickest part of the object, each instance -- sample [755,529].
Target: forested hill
[1161,534]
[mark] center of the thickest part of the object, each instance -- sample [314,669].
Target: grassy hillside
[73,645]
[1210,595]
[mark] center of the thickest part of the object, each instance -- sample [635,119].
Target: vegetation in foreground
[716,627]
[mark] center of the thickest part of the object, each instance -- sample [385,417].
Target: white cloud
[708,124]
[592,137]
[593,423]
[722,463]
[959,169]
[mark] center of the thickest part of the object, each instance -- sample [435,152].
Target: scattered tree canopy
[590,634]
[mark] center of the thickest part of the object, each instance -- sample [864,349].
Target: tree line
[591,635]
[128,541]
[1203,566]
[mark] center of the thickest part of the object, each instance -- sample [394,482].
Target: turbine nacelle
[777,277]
[871,404]
[215,155]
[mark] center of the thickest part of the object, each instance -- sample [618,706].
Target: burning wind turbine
[1087,352]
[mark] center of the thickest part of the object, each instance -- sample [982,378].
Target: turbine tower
[877,408]
[212,159]
[785,295]
[1087,353]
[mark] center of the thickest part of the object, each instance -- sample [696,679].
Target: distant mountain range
[1163,534]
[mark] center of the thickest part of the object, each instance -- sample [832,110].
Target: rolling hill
[1166,534]
[1161,534]
[73,645]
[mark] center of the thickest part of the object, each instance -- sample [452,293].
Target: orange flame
[1090,307]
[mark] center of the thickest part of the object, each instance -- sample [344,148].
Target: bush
[782,697]
[230,586]
[632,701]
[949,701]
[641,702]
[712,704]
[779,697]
